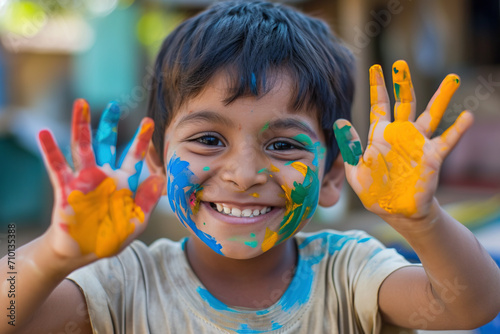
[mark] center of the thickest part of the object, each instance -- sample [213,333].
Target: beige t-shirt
[154,290]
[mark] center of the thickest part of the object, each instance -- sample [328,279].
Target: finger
[447,141]
[81,140]
[430,118]
[348,141]
[59,171]
[105,140]
[404,109]
[379,99]
[149,192]
[135,152]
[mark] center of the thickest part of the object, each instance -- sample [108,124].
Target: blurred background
[54,51]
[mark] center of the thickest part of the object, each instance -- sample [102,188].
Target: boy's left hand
[397,175]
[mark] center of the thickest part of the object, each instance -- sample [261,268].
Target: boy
[244,103]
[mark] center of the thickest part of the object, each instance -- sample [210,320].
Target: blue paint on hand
[133,180]
[105,141]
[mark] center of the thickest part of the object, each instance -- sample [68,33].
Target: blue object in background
[108,70]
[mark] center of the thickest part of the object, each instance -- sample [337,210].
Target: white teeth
[223,208]
[246,212]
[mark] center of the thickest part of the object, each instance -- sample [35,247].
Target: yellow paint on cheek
[395,176]
[102,218]
[255,195]
[270,240]
[299,166]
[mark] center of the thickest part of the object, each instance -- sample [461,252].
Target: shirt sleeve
[105,285]
[370,264]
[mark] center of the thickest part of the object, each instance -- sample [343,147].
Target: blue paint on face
[133,180]
[105,140]
[180,188]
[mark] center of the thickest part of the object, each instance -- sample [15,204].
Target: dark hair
[253,40]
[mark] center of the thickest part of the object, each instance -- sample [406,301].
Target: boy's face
[247,176]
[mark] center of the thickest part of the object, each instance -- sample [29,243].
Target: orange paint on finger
[402,90]
[438,107]
[102,218]
[144,134]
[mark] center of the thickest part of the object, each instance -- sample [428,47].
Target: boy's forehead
[275,103]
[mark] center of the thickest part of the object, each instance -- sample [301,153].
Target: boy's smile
[244,176]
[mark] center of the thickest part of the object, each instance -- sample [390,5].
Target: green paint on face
[262,170]
[350,150]
[396,91]
[304,139]
[301,203]
[252,244]
[265,127]
[206,168]
[252,235]
[315,148]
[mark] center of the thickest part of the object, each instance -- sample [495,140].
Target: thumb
[348,141]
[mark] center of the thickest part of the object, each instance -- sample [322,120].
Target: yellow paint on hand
[376,81]
[402,90]
[395,176]
[438,107]
[270,239]
[102,218]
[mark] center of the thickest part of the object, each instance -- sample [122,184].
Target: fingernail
[376,75]
[82,111]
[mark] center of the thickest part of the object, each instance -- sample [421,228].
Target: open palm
[398,172]
[99,208]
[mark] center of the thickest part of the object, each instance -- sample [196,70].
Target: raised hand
[98,208]
[398,172]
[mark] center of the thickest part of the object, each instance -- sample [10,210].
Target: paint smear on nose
[184,196]
[102,218]
[395,176]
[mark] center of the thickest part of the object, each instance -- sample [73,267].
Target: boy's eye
[281,146]
[209,140]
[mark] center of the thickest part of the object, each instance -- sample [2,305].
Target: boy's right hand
[98,209]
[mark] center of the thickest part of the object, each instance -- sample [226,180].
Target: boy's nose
[243,168]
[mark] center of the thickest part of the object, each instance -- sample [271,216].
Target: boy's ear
[331,185]
[153,161]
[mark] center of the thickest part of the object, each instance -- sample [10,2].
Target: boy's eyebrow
[205,116]
[291,123]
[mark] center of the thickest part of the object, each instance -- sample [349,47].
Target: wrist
[49,261]
[416,226]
